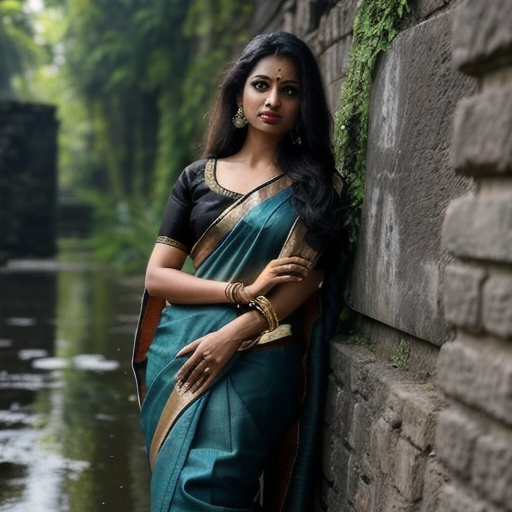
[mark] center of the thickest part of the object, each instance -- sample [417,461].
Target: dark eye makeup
[287,90]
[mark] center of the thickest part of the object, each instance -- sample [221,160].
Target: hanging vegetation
[376,25]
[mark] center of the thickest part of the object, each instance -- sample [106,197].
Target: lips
[270,117]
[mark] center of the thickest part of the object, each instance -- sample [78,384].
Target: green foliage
[17,48]
[376,24]
[400,358]
[124,232]
[356,338]
[133,81]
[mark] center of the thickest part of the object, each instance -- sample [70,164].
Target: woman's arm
[211,352]
[164,278]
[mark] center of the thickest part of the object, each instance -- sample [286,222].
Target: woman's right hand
[281,270]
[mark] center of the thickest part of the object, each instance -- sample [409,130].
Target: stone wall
[419,410]
[28,180]
[474,436]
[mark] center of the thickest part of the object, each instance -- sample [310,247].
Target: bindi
[278,77]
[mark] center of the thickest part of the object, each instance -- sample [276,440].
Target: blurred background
[102,103]
[132,82]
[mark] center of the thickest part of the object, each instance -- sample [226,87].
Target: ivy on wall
[377,23]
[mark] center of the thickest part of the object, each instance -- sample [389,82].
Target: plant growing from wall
[377,23]
[400,358]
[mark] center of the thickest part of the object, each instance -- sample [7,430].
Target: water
[69,433]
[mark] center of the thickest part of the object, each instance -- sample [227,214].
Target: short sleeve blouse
[196,200]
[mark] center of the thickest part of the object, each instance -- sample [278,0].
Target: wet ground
[69,432]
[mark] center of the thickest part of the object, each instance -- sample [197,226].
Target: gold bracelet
[263,306]
[229,292]
[235,293]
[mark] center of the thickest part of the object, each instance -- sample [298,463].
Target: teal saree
[262,415]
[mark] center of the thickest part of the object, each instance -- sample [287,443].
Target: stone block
[497,306]
[420,415]
[414,412]
[478,375]
[455,441]
[332,399]
[353,478]
[332,501]
[409,470]
[359,433]
[482,134]
[456,499]
[383,443]
[482,35]
[422,9]
[409,183]
[337,23]
[335,463]
[333,61]
[364,498]
[346,359]
[462,295]
[480,226]
[435,479]
[390,500]
[492,468]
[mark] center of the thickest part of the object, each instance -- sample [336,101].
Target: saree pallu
[263,412]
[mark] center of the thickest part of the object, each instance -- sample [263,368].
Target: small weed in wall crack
[400,358]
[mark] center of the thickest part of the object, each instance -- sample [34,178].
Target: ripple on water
[34,353]
[87,362]
[95,362]
[27,381]
[20,321]
[50,363]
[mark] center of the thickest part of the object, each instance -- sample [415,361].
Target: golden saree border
[281,331]
[211,238]
[296,245]
[213,184]
[175,405]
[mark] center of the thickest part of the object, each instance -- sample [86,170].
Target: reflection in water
[69,432]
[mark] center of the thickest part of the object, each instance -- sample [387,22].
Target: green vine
[377,23]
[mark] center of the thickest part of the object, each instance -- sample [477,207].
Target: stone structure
[28,180]
[419,412]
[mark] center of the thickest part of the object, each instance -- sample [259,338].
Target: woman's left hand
[209,355]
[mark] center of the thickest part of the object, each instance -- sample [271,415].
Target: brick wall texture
[419,405]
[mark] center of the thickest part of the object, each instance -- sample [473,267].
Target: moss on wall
[377,23]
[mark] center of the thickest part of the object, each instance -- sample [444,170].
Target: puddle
[69,423]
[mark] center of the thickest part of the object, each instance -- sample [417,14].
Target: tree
[17,48]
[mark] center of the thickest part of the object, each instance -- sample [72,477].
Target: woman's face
[271,96]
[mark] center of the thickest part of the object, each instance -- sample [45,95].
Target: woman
[230,361]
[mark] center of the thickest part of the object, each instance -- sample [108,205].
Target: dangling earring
[239,119]
[294,135]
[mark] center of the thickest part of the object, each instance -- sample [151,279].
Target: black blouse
[196,200]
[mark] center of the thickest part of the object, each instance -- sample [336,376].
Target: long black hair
[311,164]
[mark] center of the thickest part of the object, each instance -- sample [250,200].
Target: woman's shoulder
[192,176]
[194,170]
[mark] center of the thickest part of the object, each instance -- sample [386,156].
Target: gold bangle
[241,298]
[234,293]
[263,306]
